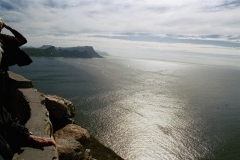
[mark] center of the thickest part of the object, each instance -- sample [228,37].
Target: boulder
[59,107]
[69,149]
[72,130]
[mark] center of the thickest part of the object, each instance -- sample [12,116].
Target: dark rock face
[51,51]
[69,148]
[89,49]
[14,100]
[59,107]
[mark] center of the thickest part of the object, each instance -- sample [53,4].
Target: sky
[129,27]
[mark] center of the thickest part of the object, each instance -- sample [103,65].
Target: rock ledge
[51,116]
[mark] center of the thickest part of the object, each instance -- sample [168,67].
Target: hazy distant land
[52,51]
[102,53]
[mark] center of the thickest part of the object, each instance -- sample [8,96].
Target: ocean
[149,109]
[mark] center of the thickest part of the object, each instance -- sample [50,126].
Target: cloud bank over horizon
[90,22]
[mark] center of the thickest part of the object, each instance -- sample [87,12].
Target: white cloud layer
[49,21]
[152,16]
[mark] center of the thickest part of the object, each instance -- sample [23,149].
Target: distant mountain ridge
[52,51]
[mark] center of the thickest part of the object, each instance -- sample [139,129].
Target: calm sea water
[146,109]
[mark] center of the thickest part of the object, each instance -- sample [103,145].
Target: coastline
[30,106]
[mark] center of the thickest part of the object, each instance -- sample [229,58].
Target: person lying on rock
[13,135]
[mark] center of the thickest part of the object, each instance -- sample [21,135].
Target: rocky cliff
[51,51]
[51,116]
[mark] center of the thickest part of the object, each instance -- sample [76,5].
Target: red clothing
[12,53]
[9,41]
[12,134]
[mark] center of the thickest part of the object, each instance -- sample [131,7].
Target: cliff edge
[51,116]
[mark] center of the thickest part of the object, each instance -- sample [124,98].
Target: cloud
[6,6]
[128,16]
[187,21]
[230,4]
[216,40]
